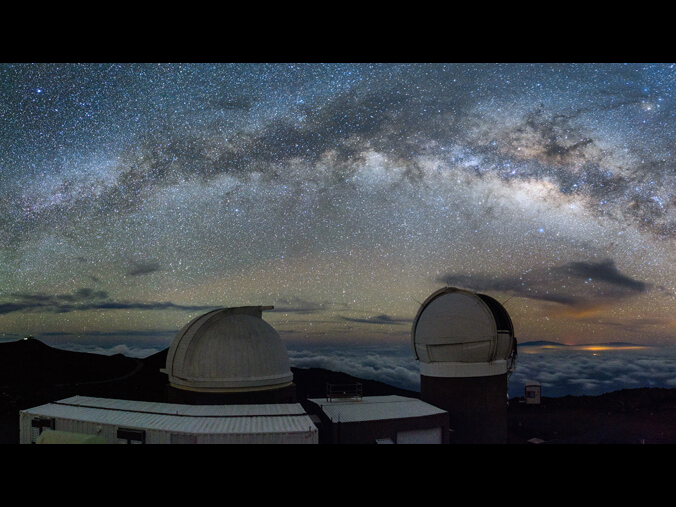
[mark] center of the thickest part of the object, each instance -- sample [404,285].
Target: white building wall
[249,427]
[423,436]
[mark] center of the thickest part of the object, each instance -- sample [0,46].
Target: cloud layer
[85,299]
[589,371]
[578,371]
[577,284]
[561,370]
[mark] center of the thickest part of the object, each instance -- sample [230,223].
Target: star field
[136,196]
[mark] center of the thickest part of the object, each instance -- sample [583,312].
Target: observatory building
[466,347]
[379,419]
[229,382]
[78,419]
[228,356]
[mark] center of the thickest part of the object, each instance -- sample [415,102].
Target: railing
[334,391]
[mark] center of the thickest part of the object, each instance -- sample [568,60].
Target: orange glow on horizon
[602,347]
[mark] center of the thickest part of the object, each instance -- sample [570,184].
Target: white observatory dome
[228,350]
[458,333]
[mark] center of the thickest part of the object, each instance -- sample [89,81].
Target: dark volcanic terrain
[32,373]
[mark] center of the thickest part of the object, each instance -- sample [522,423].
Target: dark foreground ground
[629,416]
[32,373]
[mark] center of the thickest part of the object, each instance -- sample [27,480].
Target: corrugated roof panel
[217,419]
[188,410]
[372,408]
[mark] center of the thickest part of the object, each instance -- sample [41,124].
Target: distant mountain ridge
[30,365]
[545,343]
[541,343]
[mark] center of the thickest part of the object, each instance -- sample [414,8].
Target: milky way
[136,196]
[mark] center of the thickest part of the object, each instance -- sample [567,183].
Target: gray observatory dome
[458,333]
[228,350]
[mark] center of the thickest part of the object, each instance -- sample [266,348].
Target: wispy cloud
[299,305]
[378,319]
[605,271]
[580,286]
[143,268]
[85,299]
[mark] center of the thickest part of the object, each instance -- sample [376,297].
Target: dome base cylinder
[285,394]
[477,406]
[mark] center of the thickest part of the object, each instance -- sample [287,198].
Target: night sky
[134,197]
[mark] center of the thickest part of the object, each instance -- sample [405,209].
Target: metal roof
[374,408]
[192,419]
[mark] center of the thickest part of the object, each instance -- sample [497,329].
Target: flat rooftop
[373,408]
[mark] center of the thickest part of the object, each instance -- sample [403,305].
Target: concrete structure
[533,391]
[465,344]
[74,419]
[229,355]
[380,419]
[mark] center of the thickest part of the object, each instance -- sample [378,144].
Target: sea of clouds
[589,371]
[561,370]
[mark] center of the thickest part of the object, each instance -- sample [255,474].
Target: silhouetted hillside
[33,373]
[30,364]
